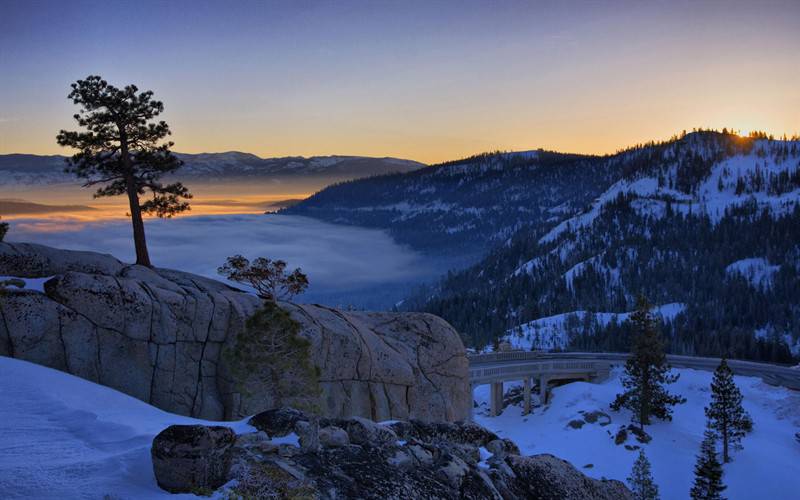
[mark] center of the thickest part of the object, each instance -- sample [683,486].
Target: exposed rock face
[420,460]
[191,457]
[159,335]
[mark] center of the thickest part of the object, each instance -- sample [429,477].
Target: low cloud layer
[344,264]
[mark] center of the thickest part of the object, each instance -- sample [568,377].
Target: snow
[485,455]
[708,198]
[30,283]
[551,332]
[290,439]
[612,274]
[528,267]
[757,271]
[65,437]
[767,467]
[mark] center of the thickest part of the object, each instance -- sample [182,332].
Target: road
[503,366]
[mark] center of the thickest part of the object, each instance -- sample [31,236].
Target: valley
[448,250]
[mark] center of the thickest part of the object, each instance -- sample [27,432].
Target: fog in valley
[347,266]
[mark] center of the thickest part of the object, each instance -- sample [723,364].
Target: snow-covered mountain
[24,169]
[708,220]
[463,208]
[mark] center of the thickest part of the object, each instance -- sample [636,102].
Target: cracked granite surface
[159,334]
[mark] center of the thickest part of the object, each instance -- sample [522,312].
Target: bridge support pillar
[526,396]
[543,389]
[496,399]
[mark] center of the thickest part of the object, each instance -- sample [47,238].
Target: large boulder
[165,337]
[192,458]
[367,460]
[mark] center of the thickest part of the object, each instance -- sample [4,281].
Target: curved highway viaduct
[536,368]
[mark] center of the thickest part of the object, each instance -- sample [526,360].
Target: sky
[428,80]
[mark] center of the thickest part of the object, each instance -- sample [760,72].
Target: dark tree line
[678,255]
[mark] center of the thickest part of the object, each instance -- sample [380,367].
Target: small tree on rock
[646,372]
[727,417]
[268,277]
[641,479]
[707,471]
[121,150]
[3,230]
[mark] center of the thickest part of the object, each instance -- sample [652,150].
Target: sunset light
[400,249]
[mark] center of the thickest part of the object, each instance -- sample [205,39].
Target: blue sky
[424,80]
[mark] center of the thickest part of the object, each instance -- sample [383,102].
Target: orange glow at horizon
[426,81]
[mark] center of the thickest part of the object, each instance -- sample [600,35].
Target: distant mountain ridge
[463,208]
[26,169]
[554,248]
[706,225]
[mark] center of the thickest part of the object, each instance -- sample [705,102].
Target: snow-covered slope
[767,468]
[709,220]
[62,437]
[746,177]
[465,207]
[757,270]
[553,332]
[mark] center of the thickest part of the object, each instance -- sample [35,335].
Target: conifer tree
[641,480]
[3,230]
[726,416]
[707,471]
[121,150]
[646,372]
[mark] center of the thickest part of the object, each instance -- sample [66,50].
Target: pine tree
[641,480]
[646,372]
[3,230]
[707,471]
[121,150]
[727,417]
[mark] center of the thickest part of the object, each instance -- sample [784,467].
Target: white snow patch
[291,439]
[707,199]
[65,437]
[485,455]
[767,467]
[30,283]
[551,332]
[757,270]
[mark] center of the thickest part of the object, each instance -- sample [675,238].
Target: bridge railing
[505,364]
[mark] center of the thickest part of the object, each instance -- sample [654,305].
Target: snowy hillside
[23,169]
[464,208]
[768,467]
[708,220]
[760,176]
[64,437]
[553,332]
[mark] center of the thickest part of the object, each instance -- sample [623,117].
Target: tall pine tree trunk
[725,458]
[139,241]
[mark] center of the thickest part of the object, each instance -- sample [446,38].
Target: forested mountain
[25,169]
[706,225]
[461,209]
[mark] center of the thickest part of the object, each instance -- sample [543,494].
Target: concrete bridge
[537,368]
